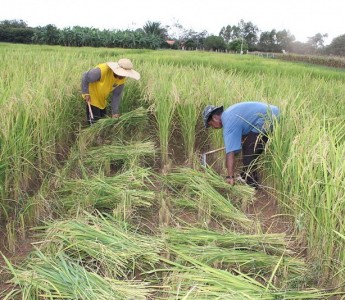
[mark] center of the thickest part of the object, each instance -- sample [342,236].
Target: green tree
[317,41]
[268,41]
[238,45]
[244,30]
[192,40]
[214,43]
[301,48]
[229,33]
[249,32]
[13,24]
[48,35]
[14,31]
[337,46]
[285,40]
[155,28]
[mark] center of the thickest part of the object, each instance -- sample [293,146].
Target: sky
[303,18]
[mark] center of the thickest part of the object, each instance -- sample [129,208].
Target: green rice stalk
[198,187]
[100,192]
[249,261]
[186,93]
[197,280]
[110,127]
[268,243]
[131,153]
[310,174]
[159,95]
[43,277]
[38,120]
[103,244]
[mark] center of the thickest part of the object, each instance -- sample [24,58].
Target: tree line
[240,38]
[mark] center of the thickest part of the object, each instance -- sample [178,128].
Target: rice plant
[200,194]
[196,280]
[304,162]
[111,128]
[275,244]
[159,96]
[247,261]
[310,175]
[251,254]
[127,189]
[102,243]
[44,277]
[187,96]
[131,154]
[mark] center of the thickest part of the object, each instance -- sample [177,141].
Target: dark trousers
[97,114]
[252,147]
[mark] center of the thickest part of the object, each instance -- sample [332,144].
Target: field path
[266,211]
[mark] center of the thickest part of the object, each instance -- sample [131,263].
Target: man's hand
[87,99]
[116,116]
[230,181]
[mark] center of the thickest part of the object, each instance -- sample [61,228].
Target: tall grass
[159,96]
[188,110]
[269,243]
[40,112]
[36,122]
[308,167]
[38,116]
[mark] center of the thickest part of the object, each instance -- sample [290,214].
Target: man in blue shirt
[247,122]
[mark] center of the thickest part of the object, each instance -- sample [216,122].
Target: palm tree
[156,29]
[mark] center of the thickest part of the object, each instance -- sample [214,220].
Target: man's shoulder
[234,110]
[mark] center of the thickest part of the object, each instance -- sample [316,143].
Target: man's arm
[230,165]
[88,77]
[115,100]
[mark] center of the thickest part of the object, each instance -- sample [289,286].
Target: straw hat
[124,67]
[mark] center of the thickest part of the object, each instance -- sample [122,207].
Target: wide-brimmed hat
[124,67]
[208,111]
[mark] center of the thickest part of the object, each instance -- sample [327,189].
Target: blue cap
[208,110]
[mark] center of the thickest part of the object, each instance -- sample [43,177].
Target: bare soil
[265,209]
[23,248]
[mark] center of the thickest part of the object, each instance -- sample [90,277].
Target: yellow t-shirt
[100,90]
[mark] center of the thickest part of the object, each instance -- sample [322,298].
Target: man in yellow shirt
[98,83]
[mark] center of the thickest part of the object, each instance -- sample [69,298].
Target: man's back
[242,118]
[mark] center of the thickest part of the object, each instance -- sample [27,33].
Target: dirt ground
[265,209]
[23,248]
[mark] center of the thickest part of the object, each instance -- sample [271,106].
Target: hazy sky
[303,18]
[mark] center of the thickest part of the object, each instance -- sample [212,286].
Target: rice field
[124,209]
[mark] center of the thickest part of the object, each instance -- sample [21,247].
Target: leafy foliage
[154,35]
[238,45]
[215,43]
[337,47]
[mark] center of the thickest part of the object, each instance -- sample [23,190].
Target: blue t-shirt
[241,118]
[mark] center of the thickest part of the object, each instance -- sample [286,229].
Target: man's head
[124,68]
[212,116]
